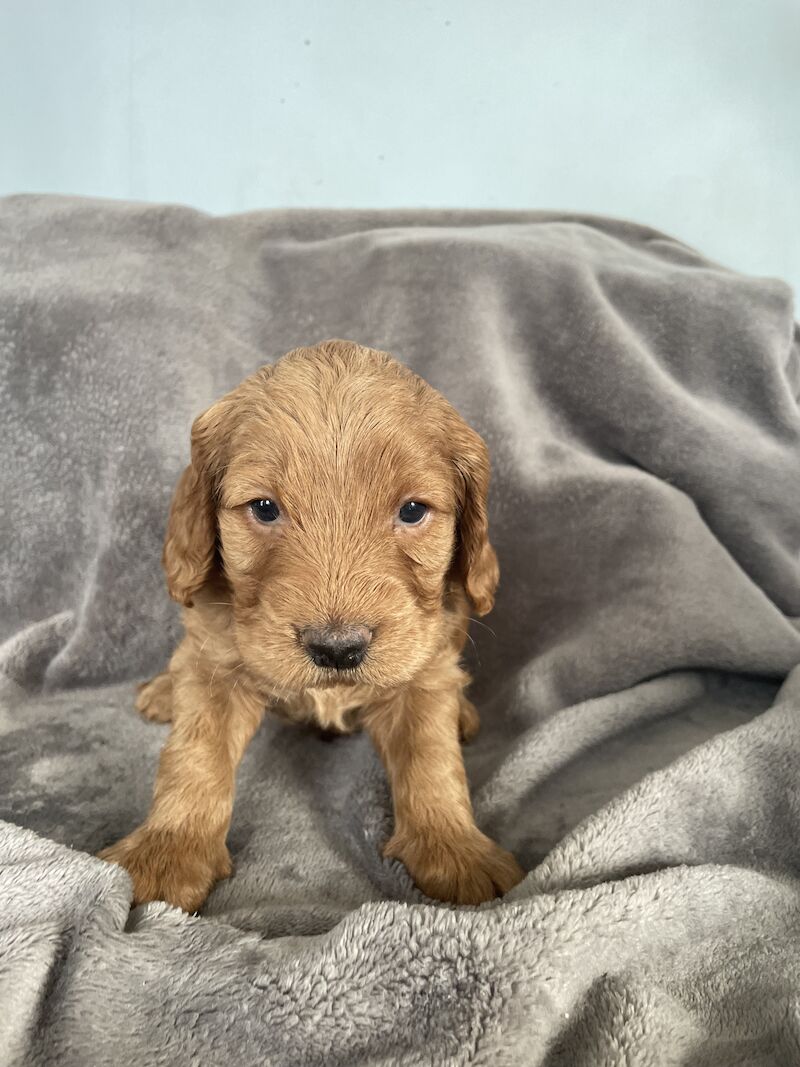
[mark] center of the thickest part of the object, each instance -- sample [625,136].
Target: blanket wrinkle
[638,680]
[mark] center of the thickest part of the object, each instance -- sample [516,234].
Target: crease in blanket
[637,680]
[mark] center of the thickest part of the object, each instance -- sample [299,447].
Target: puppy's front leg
[416,733]
[179,852]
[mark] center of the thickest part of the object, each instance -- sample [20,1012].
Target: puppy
[327,542]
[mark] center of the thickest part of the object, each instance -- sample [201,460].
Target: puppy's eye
[411,513]
[265,510]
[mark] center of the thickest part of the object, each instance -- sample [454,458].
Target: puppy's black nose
[339,649]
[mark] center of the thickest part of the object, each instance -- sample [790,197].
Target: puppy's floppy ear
[475,561]
[191,541]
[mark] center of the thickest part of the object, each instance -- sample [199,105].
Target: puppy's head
[339,496]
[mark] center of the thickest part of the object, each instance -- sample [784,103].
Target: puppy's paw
[168,866]
[465,869]
[154,698]
[468,722]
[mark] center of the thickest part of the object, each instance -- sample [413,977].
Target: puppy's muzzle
[336,648]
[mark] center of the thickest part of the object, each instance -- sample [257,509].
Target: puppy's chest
[333,709]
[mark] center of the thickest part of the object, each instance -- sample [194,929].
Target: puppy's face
[340,496]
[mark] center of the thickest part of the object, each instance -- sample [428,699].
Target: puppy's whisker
[211,680]
[471,640]
[478,622]
[209,635]
[233,670]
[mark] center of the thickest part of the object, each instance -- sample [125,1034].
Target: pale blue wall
[684,114]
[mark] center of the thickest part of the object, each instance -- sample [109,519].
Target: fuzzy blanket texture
[640,750]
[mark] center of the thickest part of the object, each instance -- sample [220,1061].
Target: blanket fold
[636,680]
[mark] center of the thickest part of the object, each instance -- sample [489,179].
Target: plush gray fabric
[639,753]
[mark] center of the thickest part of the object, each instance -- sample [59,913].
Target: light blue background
[682,114]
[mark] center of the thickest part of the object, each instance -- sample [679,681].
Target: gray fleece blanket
[640,750]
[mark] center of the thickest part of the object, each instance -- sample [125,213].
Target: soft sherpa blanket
[639,752]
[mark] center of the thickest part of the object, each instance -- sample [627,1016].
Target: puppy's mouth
[335,679]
